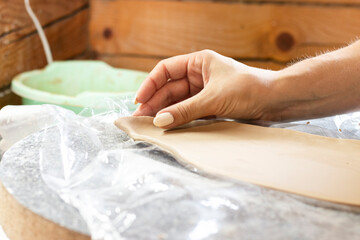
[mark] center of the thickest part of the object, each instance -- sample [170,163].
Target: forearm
[321,86]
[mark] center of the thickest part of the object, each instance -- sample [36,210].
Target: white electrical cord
[40,30]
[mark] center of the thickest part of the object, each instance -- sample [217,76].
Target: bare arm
[324,85]
[186,87]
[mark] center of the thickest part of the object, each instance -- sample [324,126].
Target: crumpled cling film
[2,234]
[17,122]
[133,190]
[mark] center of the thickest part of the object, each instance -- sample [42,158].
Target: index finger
[172,68]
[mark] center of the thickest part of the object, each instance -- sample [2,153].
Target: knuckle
[207,51]
[147,109]
[160,63]
[184,111]
[154,83]
[169,97]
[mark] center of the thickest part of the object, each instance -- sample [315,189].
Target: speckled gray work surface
[226,211]
[20,174]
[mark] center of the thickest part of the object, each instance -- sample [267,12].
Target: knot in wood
[107,33]
[285,41]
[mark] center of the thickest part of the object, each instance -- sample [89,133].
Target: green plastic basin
[76,84]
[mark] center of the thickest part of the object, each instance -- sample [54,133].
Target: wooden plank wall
[136,34]
[65,24]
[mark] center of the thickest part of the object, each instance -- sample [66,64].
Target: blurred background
[136,34]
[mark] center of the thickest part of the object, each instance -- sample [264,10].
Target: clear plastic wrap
[2,234]
[18,122]
[133,190]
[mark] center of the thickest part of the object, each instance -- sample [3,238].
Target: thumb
[183,112]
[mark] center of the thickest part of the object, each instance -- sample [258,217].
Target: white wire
[40,30]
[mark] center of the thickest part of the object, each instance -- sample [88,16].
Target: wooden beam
[282,2]
[8,98]
[280,32]
[15,22]
[67,38]
[309,2]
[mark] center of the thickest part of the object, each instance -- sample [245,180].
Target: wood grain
[310,2]
[67,38]
[288,2]
[19,223]
[280,32]
[15,22]
[8,98]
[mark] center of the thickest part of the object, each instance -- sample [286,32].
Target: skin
[206,83]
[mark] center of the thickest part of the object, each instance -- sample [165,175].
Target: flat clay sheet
[320,167]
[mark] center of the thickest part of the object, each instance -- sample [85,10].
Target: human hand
[200,84]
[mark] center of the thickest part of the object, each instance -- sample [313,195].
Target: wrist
[290,92]
[316,87]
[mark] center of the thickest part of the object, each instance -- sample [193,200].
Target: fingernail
[136,101]
[163,119]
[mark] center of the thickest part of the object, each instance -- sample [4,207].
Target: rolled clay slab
[313,166]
